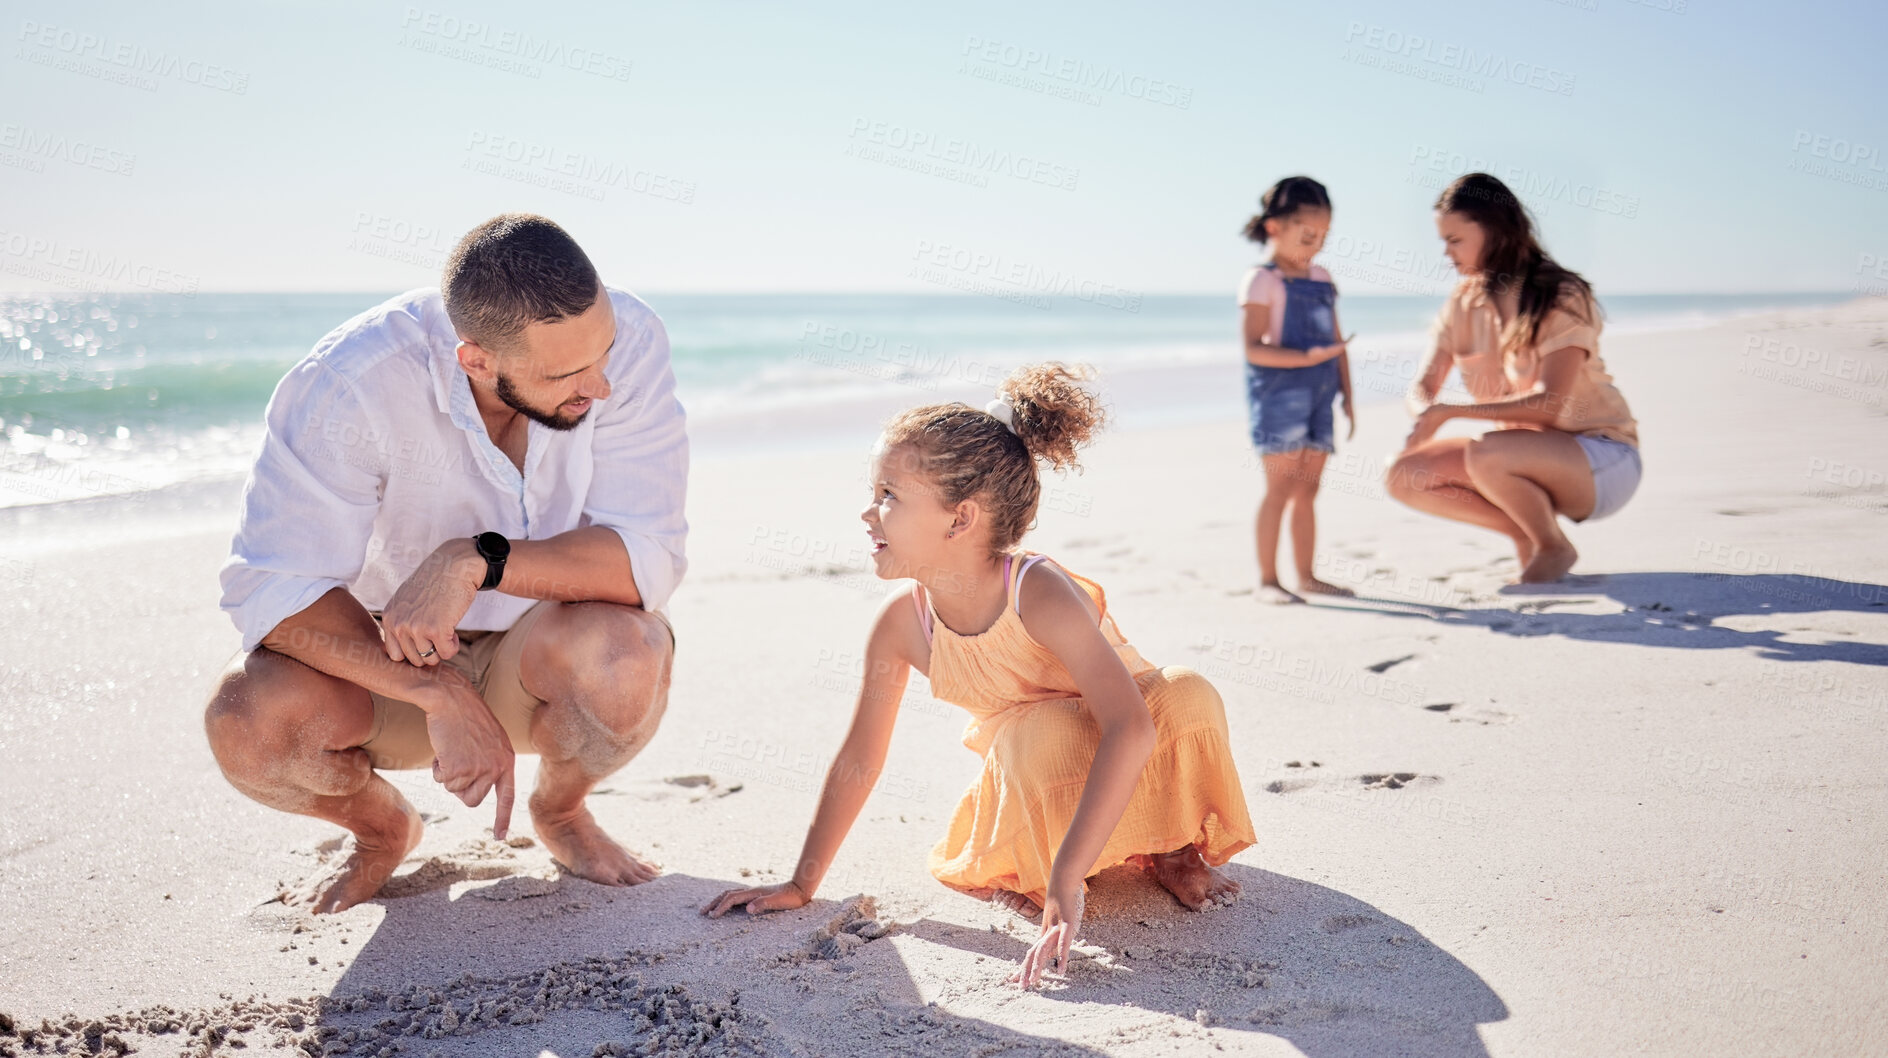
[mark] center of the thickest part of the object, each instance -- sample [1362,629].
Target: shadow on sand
[572,969]
[1332,975]
[1673,610]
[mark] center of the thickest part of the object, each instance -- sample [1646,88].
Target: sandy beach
[1641,812]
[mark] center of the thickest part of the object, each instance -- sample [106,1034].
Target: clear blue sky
[1667,166]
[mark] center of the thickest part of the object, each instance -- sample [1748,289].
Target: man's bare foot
[1549,564]
[1314,586]
[1009,901]
[373,860]
[1275,594]
[1184,874]
[582,848]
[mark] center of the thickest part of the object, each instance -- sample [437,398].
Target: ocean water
[113,393]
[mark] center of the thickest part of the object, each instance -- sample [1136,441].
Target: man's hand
[474,753]
[417,623]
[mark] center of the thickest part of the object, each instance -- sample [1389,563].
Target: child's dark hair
[966,452]
[1283,199]
[1512,258]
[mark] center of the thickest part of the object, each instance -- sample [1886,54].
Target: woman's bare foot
[1313,586]
[1275,593]
[373,860]
[1010,901]
[1184,874]
[1523,551]
[582,848]
[1549,564]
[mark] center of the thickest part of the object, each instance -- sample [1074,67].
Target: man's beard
[516,403]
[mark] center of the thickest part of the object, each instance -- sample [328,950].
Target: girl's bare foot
[1184,874]
[1549,564]
[1009,901]
[373,860]
[1313,586]
[1275,594]
[581,847]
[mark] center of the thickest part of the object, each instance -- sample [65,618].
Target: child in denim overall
[1295,368]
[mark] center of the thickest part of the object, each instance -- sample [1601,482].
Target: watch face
[494,545]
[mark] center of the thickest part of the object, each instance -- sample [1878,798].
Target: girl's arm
[1560,372]
[854,771]
[1059,615]
[1258,319]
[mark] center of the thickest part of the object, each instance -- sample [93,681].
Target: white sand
[1650,819]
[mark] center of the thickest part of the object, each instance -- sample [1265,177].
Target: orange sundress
[1037,742]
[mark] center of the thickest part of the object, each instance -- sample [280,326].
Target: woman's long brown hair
[1513,258]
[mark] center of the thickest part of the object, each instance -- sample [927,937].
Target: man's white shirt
[374,455]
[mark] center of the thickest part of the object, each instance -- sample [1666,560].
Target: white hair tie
[1004,411]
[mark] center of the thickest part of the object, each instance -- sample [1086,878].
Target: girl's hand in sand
[1061,921]
[1427,423]
[759,900]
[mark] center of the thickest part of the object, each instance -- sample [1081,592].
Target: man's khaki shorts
[490,660]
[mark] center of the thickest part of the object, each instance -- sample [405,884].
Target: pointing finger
[507,793]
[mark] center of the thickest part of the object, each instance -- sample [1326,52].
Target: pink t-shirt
[1264,286]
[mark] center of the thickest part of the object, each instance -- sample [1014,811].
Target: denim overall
[1291,406]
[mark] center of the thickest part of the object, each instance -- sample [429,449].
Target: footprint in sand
[1484,717]
[1460,715]
[1345,923]
[695,787]
[1395,780]
[1388,664]
[477,860]
[1293,785]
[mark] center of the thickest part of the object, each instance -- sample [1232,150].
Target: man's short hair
[512,271]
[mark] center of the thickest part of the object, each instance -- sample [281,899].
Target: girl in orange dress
[1092,756]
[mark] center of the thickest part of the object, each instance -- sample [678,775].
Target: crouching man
[456,546]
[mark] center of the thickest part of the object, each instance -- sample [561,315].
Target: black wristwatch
[494,549]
